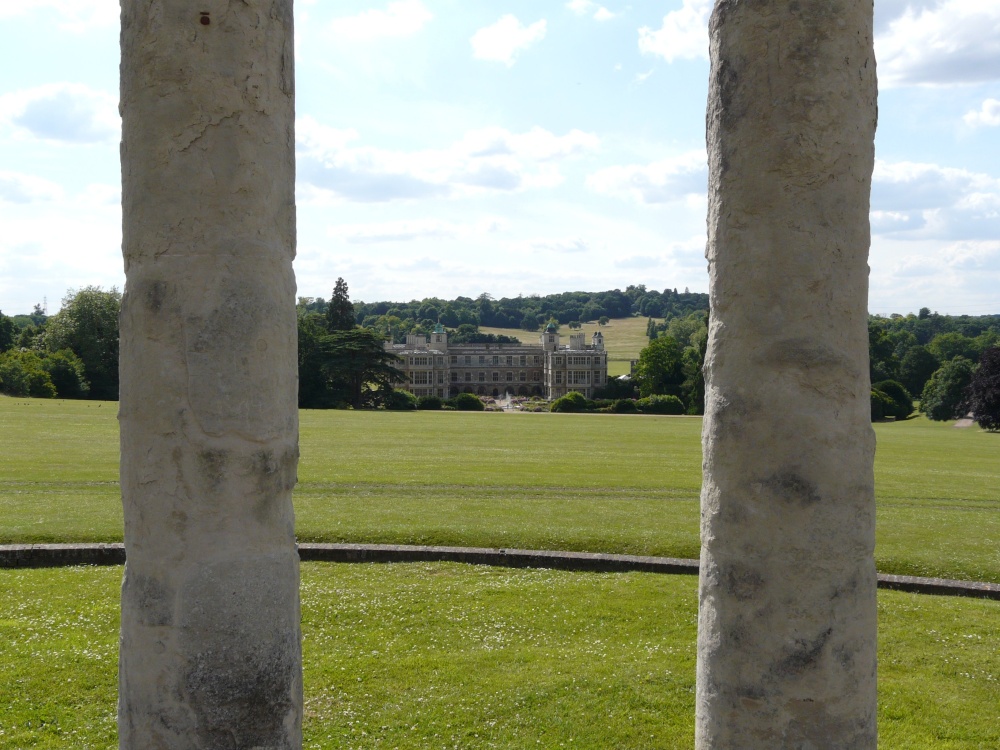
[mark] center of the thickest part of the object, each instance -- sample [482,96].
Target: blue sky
[454,147]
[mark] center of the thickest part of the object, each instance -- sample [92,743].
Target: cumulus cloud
[399,19]
[416,229]
[664,181]
[561,245]
[950,41]
[590,8]
[987,116]
[925,201]
[24,188]
[684,33]
[490,159]
[74,15]
[63,112]
[506,39]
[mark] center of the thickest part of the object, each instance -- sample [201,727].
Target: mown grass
[602,483]
[447,655]
[624,338]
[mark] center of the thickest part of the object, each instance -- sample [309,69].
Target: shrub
[466,402]
[882,405]
[984,391]
[429,403]
[624,406]
[660,405]
[400,401]
[945,393]
[902,401]
[21,374]
[573,401]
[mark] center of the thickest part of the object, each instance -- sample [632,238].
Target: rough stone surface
[210,642]
[786,642]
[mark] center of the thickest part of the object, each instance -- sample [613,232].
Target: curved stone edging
[58,555]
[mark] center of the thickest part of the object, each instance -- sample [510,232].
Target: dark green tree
[944,396]
[901,401]
[660,369]
[87,324]
[340,310]
[8,333]
[916,368]
[22,374]
[984,390]
[68,374]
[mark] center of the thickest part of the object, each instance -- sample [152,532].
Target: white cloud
[561,245]
[491,159]
[506,39]
[63,112]
[684,33]
[399,19]
[917,201]
[987,116]
[25,188]
[74,15]
[952,41]
[416,229]
[589,7]
[663,181]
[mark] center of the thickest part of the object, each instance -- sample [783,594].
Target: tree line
[947,362]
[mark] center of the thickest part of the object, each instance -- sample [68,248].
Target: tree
[343,367]
[7,331]
[87,324]
[339,310]
[944,396]
[68,374]
[603,320]
[916,368]
[984,390]
[900,401]
[22,374]
[660,369]
[466,402]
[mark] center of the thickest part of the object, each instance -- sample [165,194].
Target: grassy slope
[624,338]
[418,656]
[583,482]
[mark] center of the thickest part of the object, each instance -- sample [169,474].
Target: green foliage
[901,405]
[22,374]
[660,370]
[948,346]
[603,320]
[624,406]
[660,405]
[339,310]
[466,402]
[343,367]
[944,396]
[429,403]
[7,332]
[881,405]
[87,324]
[400,400]
[984,390]
[916,368]
[574,401]
[615,388]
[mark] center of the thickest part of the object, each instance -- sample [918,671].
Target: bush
[882,405]
[624,406]
[902,401]
[660,405]
[466,402]
[574,401]
[984,391]
[67,373]
[429,403]
[21,374]
[944,395]
[400,401]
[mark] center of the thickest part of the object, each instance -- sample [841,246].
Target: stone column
[786,630]
[210,641]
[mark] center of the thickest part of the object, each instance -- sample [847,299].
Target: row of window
[510,360]
[579,377]
[497,377]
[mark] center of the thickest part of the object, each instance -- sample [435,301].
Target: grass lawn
[446,655]
[624,338]
[599,483]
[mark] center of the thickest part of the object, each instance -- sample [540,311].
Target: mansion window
[510,377]
[420,361]
[468,359]
[420,378]
[454,359]
[523,376]
[468,377]
[496,377]
[510,361]
[523,360]
[482,377]
[558,377]
[454,377]
[482,359]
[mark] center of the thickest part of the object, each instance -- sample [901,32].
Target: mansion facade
[548,369]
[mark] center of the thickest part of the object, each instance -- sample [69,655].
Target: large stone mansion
[549,368]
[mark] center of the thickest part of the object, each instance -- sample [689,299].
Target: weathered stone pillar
[210,643]
[786,632]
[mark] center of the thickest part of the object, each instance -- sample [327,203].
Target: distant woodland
[74,353]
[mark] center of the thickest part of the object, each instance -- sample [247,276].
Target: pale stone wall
[210,644]
[786,645]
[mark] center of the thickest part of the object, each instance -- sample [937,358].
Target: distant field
[624,338]
[603,483]
[443,655]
